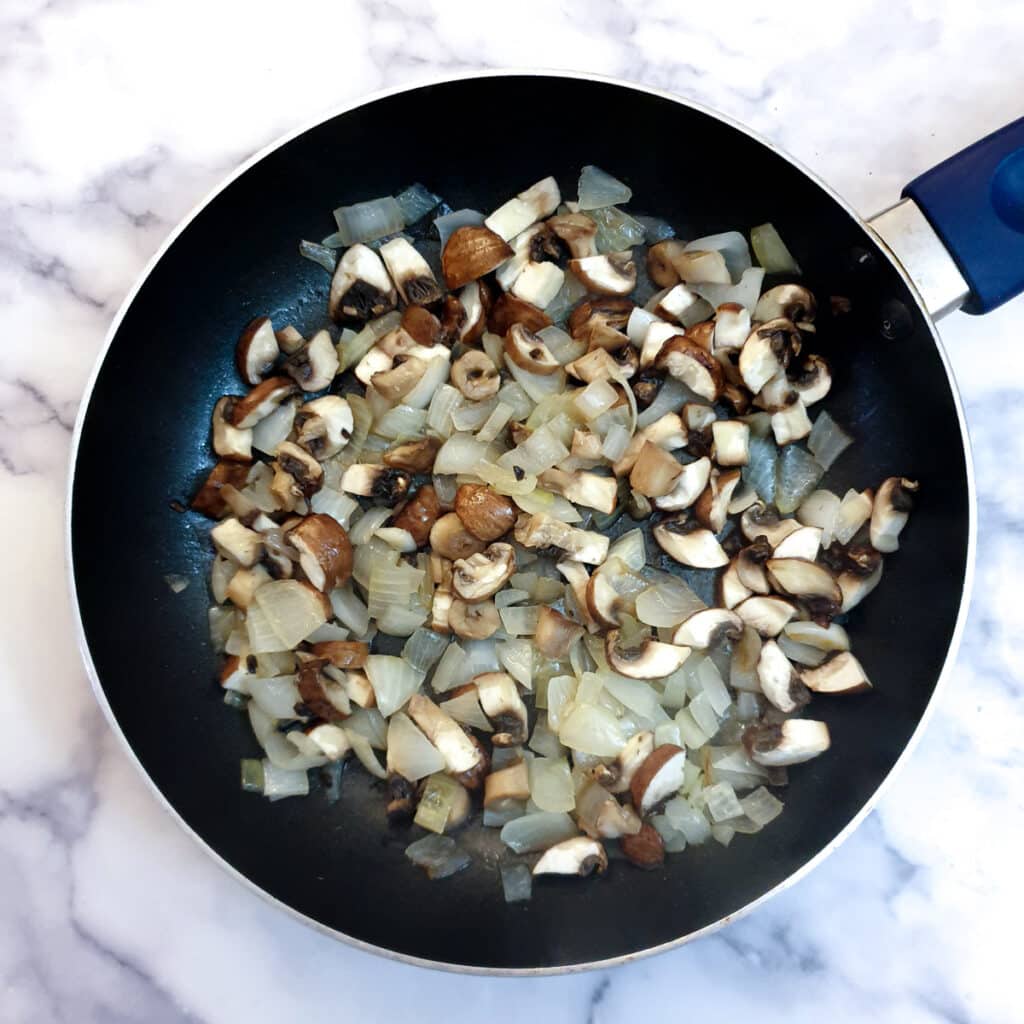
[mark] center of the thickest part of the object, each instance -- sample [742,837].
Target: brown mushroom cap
[260,402]
[508,310]
[578,231]
[208,500]
[650,659]
[555,634]
[344,654]
[613,273]
[486,514]
[658,778]
[421,325]
[471,252]
[325,552]
[601,322]
[528,351]
[257,350]
[450,538]
[413,456]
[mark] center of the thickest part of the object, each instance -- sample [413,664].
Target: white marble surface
[116,117]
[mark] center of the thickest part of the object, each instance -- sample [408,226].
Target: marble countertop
[117,118]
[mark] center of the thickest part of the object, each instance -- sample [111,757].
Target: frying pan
[142,446]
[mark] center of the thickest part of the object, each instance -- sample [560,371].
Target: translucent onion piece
[592,730]
[759,472]
[667,603]
[466,709]
[636,695]
[796,475]
[598,189]
[703,714]
[367,525]
[761,807]
[733,247]
[551,787]
[513,394]
[568,296]
[473,415]
[277,696]
[460,454]
[746,292]
[519,620]
[221,622]
[670,398]
[495,422]
[594,399]
[393,681]
[416,202]
[351,350]
[370,724]
[433,377]
[536,385]
[820,509]
[688,820]
[453,669]
[516,883]
[510,596]
[721,802]
[401,423]
[350,610]
[516,658]
[252,775]
[617,231]
[562,345]
[544,741]
[713,686]
[482,655]
[336,504]
[656,230]
[630,550]
[673,840]
[328,631]
[319,254]
[401,622]
[501,812]
[438,856]
[561,691]
[293,610]
[554,505]
[723,834]
[279,783]
[771,251]
[363,222]
[410,753]
[533,832]
[541,450]
[636,326]
[424,649]
[364,752]
[447,224]
[826,442]
[668,732]
[439,412]
[615,443]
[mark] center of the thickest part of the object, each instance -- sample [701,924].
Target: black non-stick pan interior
[144,446]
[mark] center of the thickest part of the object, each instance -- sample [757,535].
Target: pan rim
[471,969]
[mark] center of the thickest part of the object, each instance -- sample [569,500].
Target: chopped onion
[519,620]
[401,423]
[562,345]
[537,385]
[513,394]
[369,723]
[495,422]
[615,443]
[541,501]
[826,442]
[684,817]
[482,655]
[516,657]
[594,399]
[501,812]
[541,450]
[350,610]
[460,455]
[561,691]
[656,230]
[319,254]
[670,398]
[277,696]
[713,686]
[466,709]
[252,775]
[721,802]
[667,603]
[363,222]
[630,550]
[353,349]
[221,622]
[636,326]
[449,223]
[617,231]
[544,741]
[592,730]
[452,670]
[598,189]
[731,244]
[771,251]
[761,807]
[424,648]
[438,856]
[472,415]
[516,883]
[367,525]
[636,695]
[336,504]
[439,412]
[364,751]
[328,631]
[410,753]
[820,509]
[854,511]
[668,732]
[796,475]
[745,293]
[673,840]
[426,387]
[416,202]
[273,429]
[551,787]
[510,596]
[393,680]
[760,470]
[534,832]
[401,622]
[703,714]
[568,295]
[292,609]
[279,783]
[446,488]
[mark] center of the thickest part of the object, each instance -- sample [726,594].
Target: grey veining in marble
[115,118]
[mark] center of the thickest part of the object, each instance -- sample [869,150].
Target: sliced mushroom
[611,274]
[580,855]
[314,366]
[314,693]
[509,310]
[289,339]
[305,476]
[342,654]
[394,384]
[538,283]
[629,759]
[475,621]
[791,742]
[603,600]
[655,471]
[791,423]
[813,381]
[450,538]
[760,521]
[324,426]
[370,480]
[502,704]
[325,553]
[475,375]
[732,327]
[259,403]
[656,337]
[661,257]
[597,364]
[410,272]
[479,576]
[375,361]
[540,200]
[689,486]
[855,588]
[690,545]
[460,753]
[703,335]
[360,288]
[807,581]
[419,514]
[731,589]
[750,562]
[802,543]
[780,682]
[891,510]
[441,605]
[767,615]
[257,350]
[229,441]
[767,352]
[475,300]
[237,542]
[485,513]
[658,778]
[685,360]
[601,322]
[702,266]
[601,816]
[511,783]
[522,255]
[841,673]
[731,442]
[712,507]
[676,303]
[471,252]
[650,659]
[528,351]
[541,531]
[425,328]
[555,634]
[823,638]
[208,500]
[587,489]
[578,231]
[413,456]
[789,301]
[708,628]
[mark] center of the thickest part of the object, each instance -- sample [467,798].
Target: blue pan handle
[975,203]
